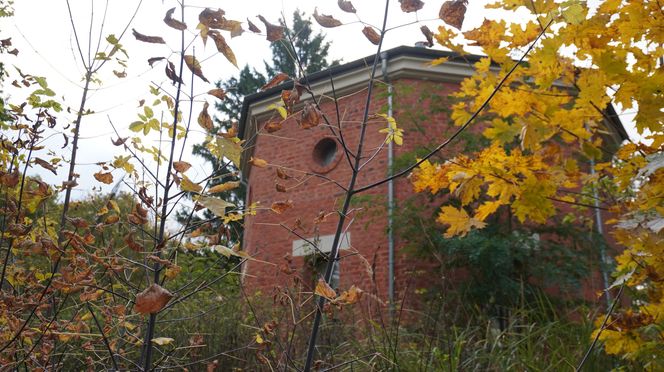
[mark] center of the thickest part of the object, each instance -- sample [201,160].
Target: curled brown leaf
[371,34]
[282,174]
[170,72]
[219,93]
[223,47]
[46,165]
[310,116]
[409,6]
[204,119]
[281,206]
[453,12]
[148,39]
[428,34]
[273,126]
[195,67]
[120,141]
[174,23]
[152,60]
[276,80]
[346,6]
[326,20]
[324,290]
[181,166]
[253,28]
[257,162]
[152,299]
[102,177]
[274,32]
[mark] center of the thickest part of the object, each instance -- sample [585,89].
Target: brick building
[315,160]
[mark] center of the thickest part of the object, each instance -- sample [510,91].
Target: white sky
[42,32]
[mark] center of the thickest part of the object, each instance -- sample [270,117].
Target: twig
[606,319]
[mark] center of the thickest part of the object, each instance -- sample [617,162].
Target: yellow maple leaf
[459,220]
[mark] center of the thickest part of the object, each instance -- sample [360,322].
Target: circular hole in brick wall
[325,152]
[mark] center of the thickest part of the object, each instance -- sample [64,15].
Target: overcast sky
[42,31]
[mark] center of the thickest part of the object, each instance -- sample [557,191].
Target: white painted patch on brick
[324,243]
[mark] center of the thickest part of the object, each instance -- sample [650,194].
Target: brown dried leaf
[132,244]
[46,165]
[152,299]
[279,187]
[211,18]
[152,60]
[253,28]
[78,222]
[170,72]
[10,179]
[181,166]
[256,162]
[273,126]
[136,219]
[274,32]
[282,174]
[174,23]
[119,141]
[120,74]
[324,290]
[409,6]
[224,187]
[281,207]
[290,98]
[219,93]
[148,39]
[453,12]
[141,211]
[234,27]
[310,116]
[112,219]
[195,67]
[212,366]
[428,34]
[223,47]
[106,178]
[162,261]
[346,6]
[172,271]
[204,119]
[276,80]
[349,297]
[371,34]
[326,20]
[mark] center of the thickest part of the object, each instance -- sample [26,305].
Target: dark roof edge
[340,69]
[613,119]
[611,113]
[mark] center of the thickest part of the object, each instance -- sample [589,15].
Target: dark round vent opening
[325,151]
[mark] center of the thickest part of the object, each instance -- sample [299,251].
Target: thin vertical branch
[147,362]
[349,195]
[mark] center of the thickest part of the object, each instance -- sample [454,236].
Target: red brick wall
[291,148]
[419,108]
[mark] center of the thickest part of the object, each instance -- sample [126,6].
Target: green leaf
[136,126]
[148,111]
